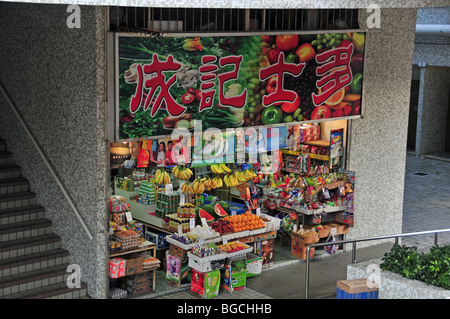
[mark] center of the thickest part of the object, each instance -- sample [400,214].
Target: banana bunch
[162,177]
[182,172]
[244,176]
[230,180]
[249,174]
[208,183]
[212,183]
[198,186]
[220,168]
[187,188]
[217,181]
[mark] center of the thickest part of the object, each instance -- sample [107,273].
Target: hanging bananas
[182,172]
[232,180]
[187,188]
[162,177]
[198,186]
[218,183]
[220,168]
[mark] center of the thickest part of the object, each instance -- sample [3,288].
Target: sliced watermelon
[204,214]
[220,212]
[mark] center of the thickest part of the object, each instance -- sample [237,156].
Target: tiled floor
[426,207]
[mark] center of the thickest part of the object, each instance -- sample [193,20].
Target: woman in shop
[160,157]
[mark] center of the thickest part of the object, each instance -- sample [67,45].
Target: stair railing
[44,157]
[354,241]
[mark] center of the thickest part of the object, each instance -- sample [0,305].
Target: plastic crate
[236,207]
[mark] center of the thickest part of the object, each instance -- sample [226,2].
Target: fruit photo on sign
[287,42]
[297,49]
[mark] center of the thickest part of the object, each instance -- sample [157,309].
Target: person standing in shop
[168,156]
[161,155]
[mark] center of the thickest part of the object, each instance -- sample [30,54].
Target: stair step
[56,291]
[21,214]
[33,279]
[14,200]
[36,227]
[31,262]
[6,157]
[31,245]
[13,185]
[9,171]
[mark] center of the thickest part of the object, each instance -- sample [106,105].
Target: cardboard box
[299,248]
[247,240]
[177,271]
[137,284]
[266,236]
[234,275]
[355,289]
[177,251]
[135,264]
[305,239]
[253,265]
[266,250]
[205,284]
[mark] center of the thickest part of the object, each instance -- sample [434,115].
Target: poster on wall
[228,81]
[336,148]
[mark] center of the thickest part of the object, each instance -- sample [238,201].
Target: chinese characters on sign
[236,81]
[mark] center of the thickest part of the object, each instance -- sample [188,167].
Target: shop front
[229,154]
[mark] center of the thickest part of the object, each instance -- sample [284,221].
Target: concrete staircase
[33,265]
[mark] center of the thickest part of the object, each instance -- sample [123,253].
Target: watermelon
[204,214]
[209,209]
[225,205]
[220,212]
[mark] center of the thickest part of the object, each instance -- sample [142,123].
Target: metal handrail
[44,158]
[354,241]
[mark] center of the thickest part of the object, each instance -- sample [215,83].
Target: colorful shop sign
[177,82]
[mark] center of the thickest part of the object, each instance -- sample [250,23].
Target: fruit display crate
[178,243]
[208,263]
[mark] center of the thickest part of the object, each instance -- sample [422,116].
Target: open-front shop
[229,155]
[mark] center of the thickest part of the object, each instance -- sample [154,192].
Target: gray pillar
[432,109]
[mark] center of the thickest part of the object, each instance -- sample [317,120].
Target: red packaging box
[117,267]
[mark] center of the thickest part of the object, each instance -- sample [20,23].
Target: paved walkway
[427,199]
[426,207]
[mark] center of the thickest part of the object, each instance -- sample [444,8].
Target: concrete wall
[432,50]
[55,76]
[378,140]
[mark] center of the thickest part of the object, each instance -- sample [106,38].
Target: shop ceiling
[254,4]
[223,20]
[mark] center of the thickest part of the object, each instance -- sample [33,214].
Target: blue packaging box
[158,239]
[355,289]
